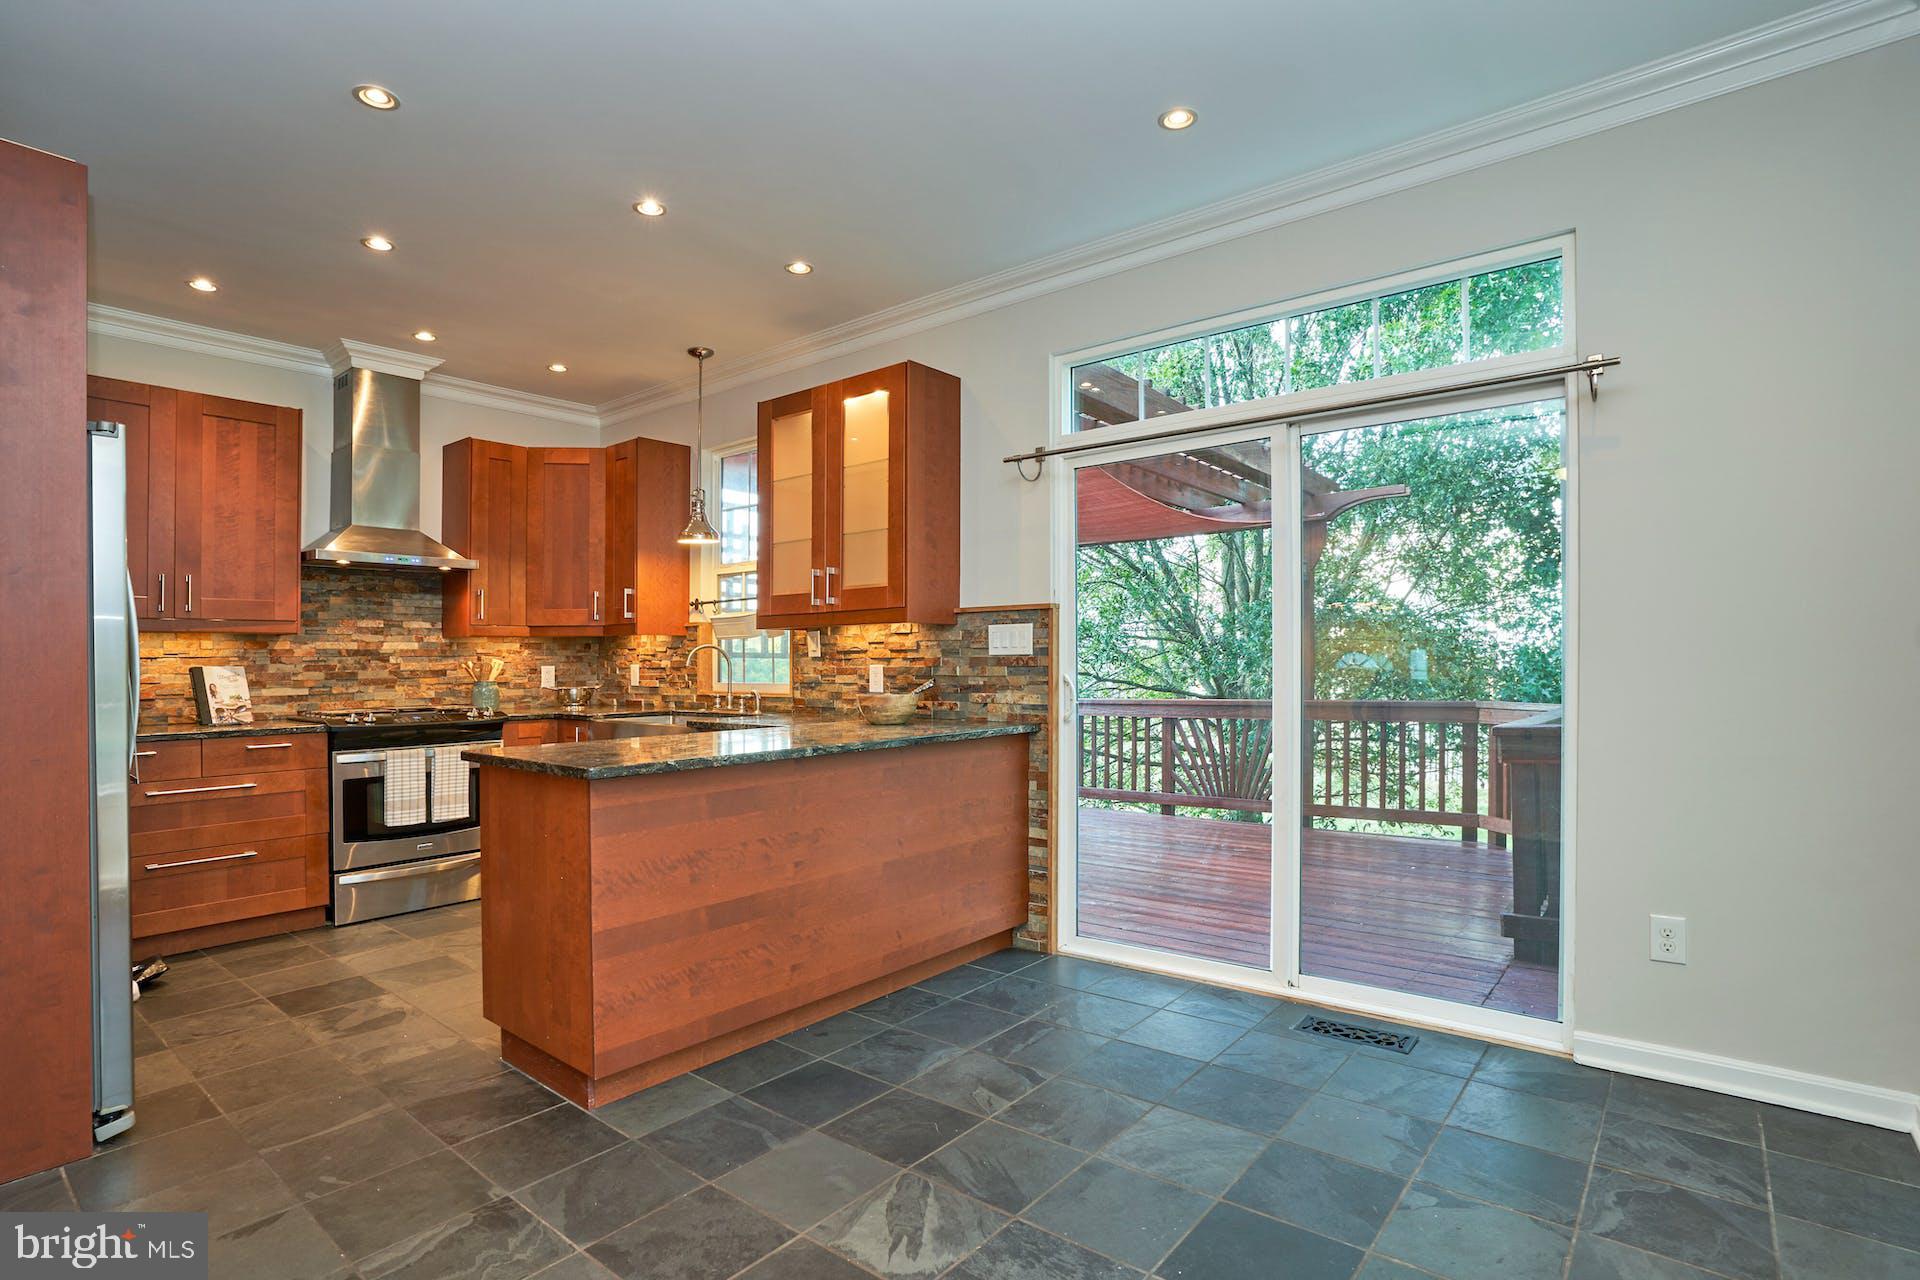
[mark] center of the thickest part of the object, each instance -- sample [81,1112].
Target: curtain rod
[1592,367]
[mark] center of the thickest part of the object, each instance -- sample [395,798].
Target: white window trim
[1061,414]
[724,626]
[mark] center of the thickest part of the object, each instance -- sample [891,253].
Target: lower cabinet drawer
[231,810]
[188,889]
[529,733]
[158,761]
[221,756]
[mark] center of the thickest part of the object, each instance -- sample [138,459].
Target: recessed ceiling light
[648,207]
[426,335]
[799,268]
[379,244]
[1178,118]
[372,95]
[556,367]
[203,285]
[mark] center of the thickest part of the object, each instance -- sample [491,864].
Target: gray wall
[1749,624]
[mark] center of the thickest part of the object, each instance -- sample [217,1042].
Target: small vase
[486,695]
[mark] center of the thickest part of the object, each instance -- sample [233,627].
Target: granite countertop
[171,730]
[801,738]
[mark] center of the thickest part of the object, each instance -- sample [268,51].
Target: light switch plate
[813,644]
[1010,638]
[876,678]
[546,677]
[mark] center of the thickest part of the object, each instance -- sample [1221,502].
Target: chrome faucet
[726,668]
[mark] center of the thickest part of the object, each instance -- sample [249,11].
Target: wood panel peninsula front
[655,904]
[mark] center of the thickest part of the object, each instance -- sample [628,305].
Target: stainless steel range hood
[375,487]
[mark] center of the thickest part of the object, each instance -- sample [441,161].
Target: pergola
[1214,489]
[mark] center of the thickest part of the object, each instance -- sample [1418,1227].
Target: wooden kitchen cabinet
[229,838]
[146,415]
[860,500]
[648,583]
[567,538]
[213,507]
[570,541]
[484,517]
[237,512]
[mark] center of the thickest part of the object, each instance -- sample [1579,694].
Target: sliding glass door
[1405,577]
[1174,572]
[1431,669]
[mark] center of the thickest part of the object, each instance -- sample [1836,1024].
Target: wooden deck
[1412,915]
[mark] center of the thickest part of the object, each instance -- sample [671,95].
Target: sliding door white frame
[1285,977]
[1064,893]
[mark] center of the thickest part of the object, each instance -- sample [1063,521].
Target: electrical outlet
[876,678]
[1010,637]
[1670,939]
[633,674]
[546,677]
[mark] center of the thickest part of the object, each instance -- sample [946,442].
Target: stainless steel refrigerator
[115,653]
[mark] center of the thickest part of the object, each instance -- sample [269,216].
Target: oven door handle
[406,870]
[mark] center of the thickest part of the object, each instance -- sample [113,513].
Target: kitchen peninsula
[657,903]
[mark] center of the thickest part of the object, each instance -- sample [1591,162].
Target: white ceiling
[902,148]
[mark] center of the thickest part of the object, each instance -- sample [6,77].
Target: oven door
[361,835]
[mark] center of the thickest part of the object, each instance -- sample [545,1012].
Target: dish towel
[404,789]
[449,785]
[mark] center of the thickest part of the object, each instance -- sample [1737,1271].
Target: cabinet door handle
[483,604]
[626,601]
[194,862]
[187,605]
[813,587]
[596,606]
[269,746]
[161,608]
[831,598]
[194,791]
[141,755]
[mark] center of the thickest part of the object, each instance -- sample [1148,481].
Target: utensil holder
[486,695]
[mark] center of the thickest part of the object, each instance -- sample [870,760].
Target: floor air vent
[1398,1041]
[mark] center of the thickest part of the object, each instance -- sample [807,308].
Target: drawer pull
[194,862]
[194,791]
[269,746]
[141,755]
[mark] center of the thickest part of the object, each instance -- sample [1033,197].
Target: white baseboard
[1866,1103]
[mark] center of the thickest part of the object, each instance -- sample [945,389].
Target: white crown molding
[528,404]
[343,354]
[1801,1090]
[1808,39]
[134,326]
[116,322]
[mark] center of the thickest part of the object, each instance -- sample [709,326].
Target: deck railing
[1420,763]
[1424,763]
[1200,753]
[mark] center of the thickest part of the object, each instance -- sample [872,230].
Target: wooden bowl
[889,708]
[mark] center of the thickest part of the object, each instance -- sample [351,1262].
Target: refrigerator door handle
[133,683]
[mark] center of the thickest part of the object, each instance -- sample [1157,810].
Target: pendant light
[699,531]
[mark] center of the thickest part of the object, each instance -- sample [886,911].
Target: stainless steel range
[406,807]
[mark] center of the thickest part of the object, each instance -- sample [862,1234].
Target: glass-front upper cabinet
[859,491]
[789,517]
[867,546]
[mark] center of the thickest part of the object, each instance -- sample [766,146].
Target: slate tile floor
[334,1100]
